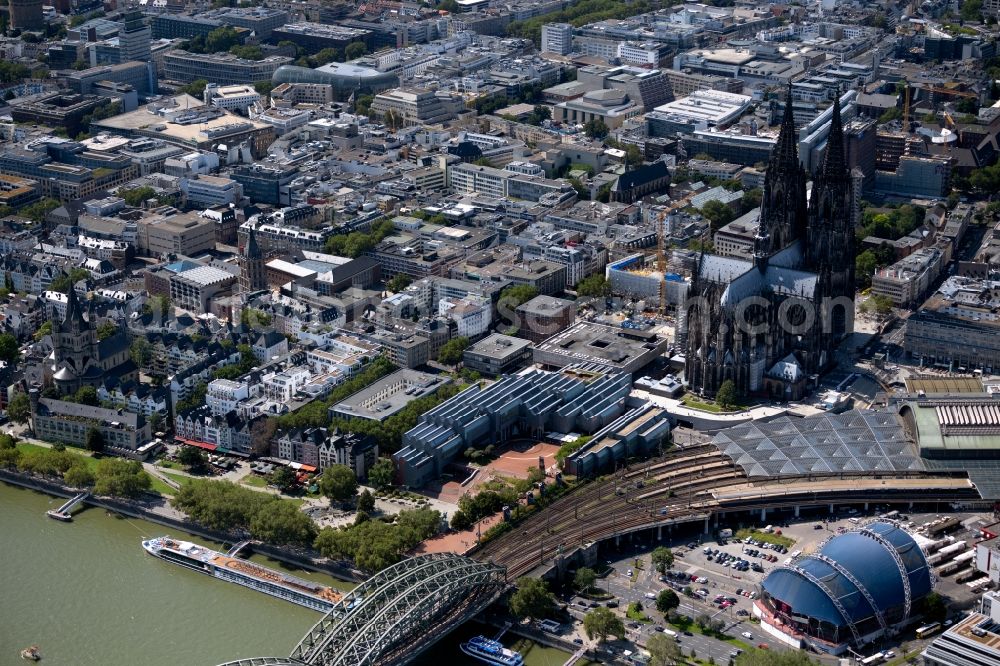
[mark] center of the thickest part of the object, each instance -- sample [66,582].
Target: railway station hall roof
[854,441]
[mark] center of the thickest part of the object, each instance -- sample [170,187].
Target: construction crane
[906,106]
[661,261]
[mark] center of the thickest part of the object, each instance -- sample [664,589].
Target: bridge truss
[397,613]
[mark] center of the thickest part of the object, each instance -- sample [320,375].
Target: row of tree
[375,544]
[112,477]
[225,506]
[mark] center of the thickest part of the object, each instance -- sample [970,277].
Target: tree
[9,349]
[601,623]
[532,599]
[381,474]
[37,211]
[596,129]
[881,304]
[865,265]
[663,558]
[594,285]
[666,601]
[136,196]
[633,156]
[366,501]
[934,607]
[192,457]
[196,88]
[87,395]
[584,579]
[263,87]
[338,483]
[95,440]
[43,330]
[19,408]
[717,213]
[247,52]
[79,476]
[775,658]
[663,651]
[398,283]
[971,10]
[451,351]
[516,295]
[325,56]
[354,50]
[141,352]
[283,478]
[120,478]
[752,198]
[282,523]
[726,397]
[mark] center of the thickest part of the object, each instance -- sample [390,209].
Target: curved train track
[678,487]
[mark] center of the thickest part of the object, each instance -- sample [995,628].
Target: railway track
[676,488]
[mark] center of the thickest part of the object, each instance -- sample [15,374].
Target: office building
[186,234]
[27,15]
[619,349]
[223,69]
[497,354]
[195,289]
[261,20]
[133,39]
[557,38]
[267,184]
[71,423]
[139,75]
[208,191]
[388,395]
[416,107]
[544,316]
[231,98]
[317,36]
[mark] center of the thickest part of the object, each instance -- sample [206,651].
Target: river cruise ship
[236,570]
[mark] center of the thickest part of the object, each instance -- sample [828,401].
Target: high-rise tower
[27,15]
[133,39]
[783,209]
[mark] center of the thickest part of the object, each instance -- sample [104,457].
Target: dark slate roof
[641,176]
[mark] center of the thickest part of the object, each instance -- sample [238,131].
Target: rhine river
[88,595]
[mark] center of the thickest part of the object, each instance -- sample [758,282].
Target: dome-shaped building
[859,585]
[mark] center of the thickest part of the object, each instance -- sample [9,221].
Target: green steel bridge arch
[396,614]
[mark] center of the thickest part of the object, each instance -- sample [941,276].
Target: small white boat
[491,652]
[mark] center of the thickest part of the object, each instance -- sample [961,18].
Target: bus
[876,658]
[928,630]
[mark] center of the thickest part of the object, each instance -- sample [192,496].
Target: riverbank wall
[145,510]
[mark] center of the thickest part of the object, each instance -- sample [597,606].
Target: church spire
[74,313]
[253,250]
[834,162]
[786,150]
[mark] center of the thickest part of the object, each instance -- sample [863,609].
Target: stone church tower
[251,263]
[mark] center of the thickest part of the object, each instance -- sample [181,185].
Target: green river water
[88,595]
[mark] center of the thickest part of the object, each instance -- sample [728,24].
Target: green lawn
[177,478]
[254,480]
[695,403]
[160,487]
[166,464]
[637,615]
[89,460]
[787,542]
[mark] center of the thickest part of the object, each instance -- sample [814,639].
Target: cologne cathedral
[772,323]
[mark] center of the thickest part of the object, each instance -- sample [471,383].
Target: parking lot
[724,576]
